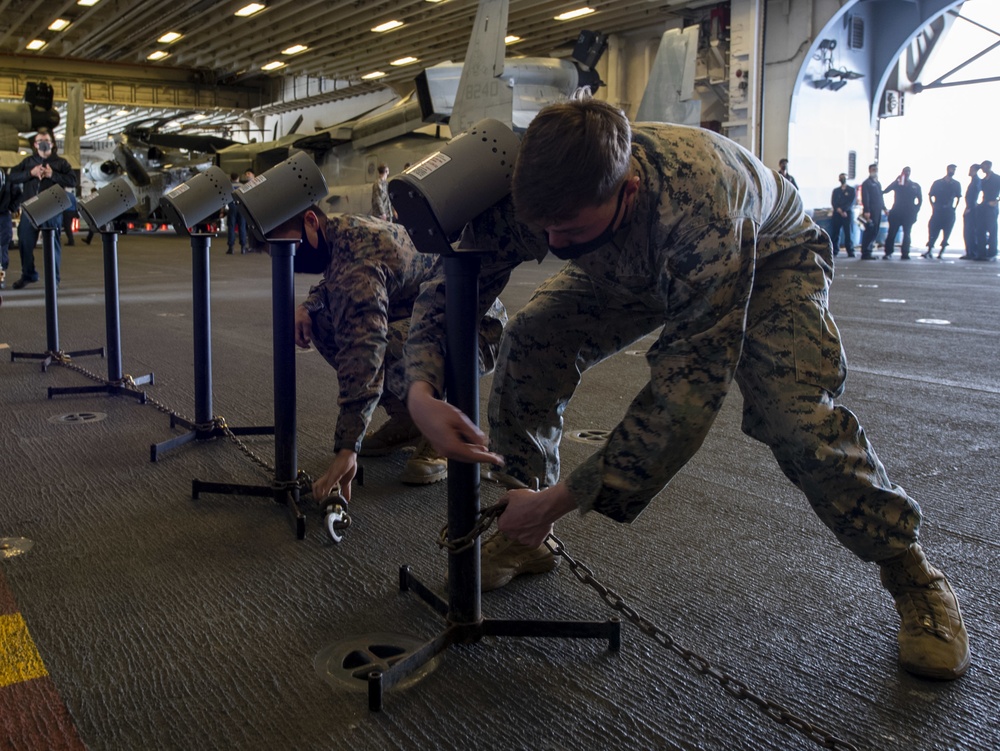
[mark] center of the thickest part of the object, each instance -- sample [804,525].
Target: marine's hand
[530,514]
[342,470]
[303,327]
[450,432]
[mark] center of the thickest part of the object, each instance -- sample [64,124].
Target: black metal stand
[284,488]
[51,309]
[112,324]
[463,609]
[204,427]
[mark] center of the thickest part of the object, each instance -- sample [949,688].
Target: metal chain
[733,686]
[303,481]
[466,541]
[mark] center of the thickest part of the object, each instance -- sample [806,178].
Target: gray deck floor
[172,623]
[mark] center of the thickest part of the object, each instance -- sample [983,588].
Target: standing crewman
[381,205]
[874,207]
[986,214]
[944,196]
[905,207]
[972,192]
[36,173]
[8,203]
[843,200]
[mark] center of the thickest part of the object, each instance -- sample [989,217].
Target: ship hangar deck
[144,619]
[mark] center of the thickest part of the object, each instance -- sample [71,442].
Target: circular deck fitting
[79,418]
[11,547]
[589,436]
[349,662]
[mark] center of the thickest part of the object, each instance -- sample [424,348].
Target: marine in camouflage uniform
[718,251]
[360,313]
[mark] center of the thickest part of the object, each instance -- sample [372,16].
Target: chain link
[466,541]
[699,664]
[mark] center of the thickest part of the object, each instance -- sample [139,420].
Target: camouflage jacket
[381,206]
[373,279]
[710,225]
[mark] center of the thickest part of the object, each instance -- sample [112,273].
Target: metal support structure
[463,609]
[204,427]
[51,308]
[112,325]
[284,489]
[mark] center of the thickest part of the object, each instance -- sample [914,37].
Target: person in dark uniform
[36,173]
[9,193]
[944,196]
[783,171]
[986,214]
[972,192]
[843,200]
[874,207]
[905,207]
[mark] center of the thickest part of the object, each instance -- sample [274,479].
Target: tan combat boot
[933,642]
[503,558]
[425,466]
[399,432]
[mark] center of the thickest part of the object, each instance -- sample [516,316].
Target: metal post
[202,315]
[462,382]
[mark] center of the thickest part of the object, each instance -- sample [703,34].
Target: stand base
[285,497]
[48,357]
[199,434]
[468,633]
[107,388]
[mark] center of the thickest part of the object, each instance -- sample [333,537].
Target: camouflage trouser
[792,368]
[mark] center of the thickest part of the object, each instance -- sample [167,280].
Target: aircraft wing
[208,144]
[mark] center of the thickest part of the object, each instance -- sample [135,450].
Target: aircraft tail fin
[481,91]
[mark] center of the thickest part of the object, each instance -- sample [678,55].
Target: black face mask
[572,252]
[312,259]
[44,148]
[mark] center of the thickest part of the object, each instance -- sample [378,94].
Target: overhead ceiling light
[87,3]
[372,75]
[511,38]
[249,10]
[387,26]
[170,36]
[294,49]
[404,61]
[158,55]
[123,112]
[199,116]
[434,1]
[35,44]
[58,25]
[101,119]
[571,14]
[273,65]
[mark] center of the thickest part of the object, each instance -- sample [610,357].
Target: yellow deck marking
[19,658]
